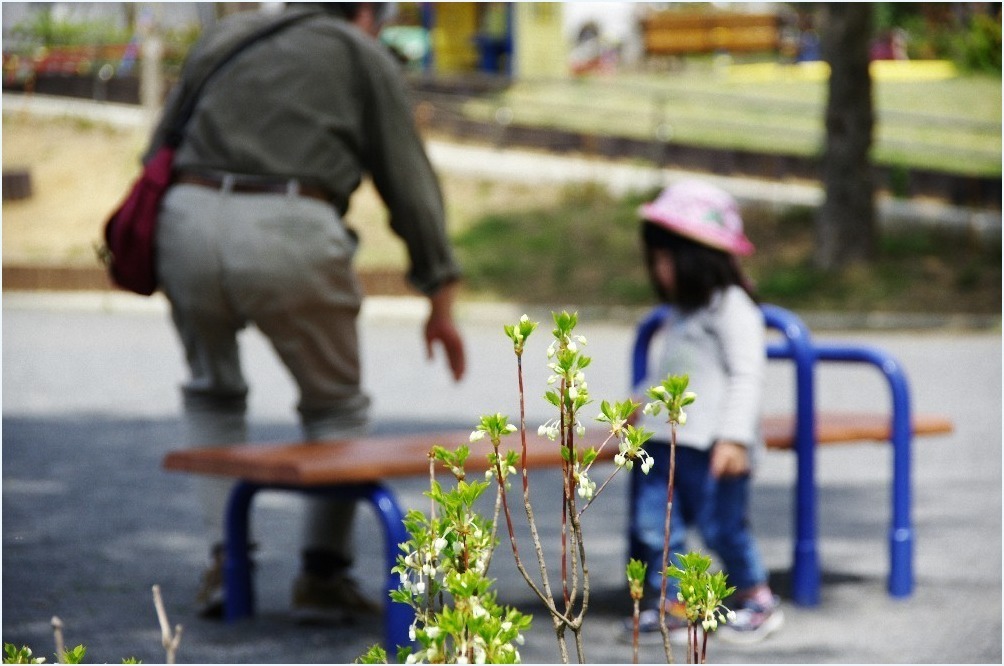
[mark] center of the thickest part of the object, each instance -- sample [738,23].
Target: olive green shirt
[322,102]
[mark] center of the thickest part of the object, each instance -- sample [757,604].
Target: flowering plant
[444,566]
[701,593]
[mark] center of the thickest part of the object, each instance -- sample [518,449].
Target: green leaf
[374,655]
[74,655]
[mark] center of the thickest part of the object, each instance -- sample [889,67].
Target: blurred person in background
[693,237]
[253,233]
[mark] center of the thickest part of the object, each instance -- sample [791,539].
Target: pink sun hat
[702,213]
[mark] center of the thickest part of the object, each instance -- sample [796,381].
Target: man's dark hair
[346,10]
[700,270]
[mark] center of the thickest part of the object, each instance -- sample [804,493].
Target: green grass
[948,124]
[585,251]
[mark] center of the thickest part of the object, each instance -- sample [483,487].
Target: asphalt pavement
[91,521]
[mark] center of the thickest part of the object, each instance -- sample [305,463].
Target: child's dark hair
[700,270]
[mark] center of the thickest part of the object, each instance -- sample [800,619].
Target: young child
[692,236]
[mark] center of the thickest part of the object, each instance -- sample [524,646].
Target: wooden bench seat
[362,460]
[358,469]
[366,459]
[849,428]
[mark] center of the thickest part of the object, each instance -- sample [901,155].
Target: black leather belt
[255,185]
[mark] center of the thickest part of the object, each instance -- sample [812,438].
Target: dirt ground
[79,171]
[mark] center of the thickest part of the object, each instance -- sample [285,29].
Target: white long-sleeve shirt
[722,349]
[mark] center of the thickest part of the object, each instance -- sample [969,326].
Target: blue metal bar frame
[901,533]
[239,600]
[797,345]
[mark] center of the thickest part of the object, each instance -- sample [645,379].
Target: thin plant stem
[665,546]
[522,428]
[168,640]
[566,468]
[57,631]
[527,505]
[635,630]
[558,619]
[432,481]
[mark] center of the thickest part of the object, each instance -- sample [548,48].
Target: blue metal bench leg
[397,617]
[901,529]
[805,573]
[901,532]
[238,585]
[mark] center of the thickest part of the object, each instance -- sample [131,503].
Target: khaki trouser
[284,264]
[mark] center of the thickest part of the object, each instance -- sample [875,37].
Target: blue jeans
[718,508]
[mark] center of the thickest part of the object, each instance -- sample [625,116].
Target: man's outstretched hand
[440,328]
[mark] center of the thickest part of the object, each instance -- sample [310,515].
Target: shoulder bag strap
[187,107]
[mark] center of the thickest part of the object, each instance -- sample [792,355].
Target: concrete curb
[385,307]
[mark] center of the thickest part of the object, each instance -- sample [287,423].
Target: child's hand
[729,459]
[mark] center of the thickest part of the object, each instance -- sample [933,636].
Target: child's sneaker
[648,626]
[756,619]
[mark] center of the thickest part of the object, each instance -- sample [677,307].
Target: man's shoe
[334,600]
[648,626]
[754,621]
[209,598]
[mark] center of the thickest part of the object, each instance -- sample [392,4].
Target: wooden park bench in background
[673,33]
[359,468]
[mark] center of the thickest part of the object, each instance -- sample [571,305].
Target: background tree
[846,225]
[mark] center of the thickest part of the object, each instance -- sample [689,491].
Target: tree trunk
[846,227]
